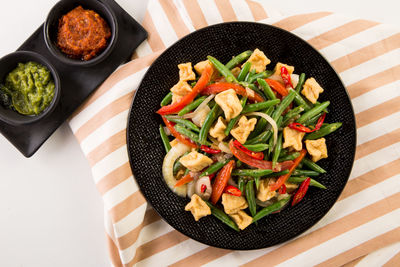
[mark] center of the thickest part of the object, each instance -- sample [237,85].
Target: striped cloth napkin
[362,227]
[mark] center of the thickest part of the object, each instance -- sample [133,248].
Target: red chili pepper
[201,83]
[286,77]
[232,190]
[301,128]
[301,192]
[209,150]
[254,155]
[282,189]
[203,188]
[211,176]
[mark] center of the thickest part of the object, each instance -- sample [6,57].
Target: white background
[50,211]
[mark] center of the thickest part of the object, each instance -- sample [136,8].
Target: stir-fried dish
[245,139]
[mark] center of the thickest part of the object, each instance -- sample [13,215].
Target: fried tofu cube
[258,61]
[264,193]
[311,90]
[179,90]
[198,207]
[317,149]
[243,129]
[230,104]
[201,116]
[292,138]
[280,65]
[291,187]
[174,142]
[242,219]
[217,131]
[235,71]
[186,72]
[200,67]
[233,204]
[195,161]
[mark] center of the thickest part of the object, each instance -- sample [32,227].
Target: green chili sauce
[28,89]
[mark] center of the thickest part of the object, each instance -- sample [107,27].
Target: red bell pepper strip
[181,138]
[201,83]
[286,77]
[278,87]
[184,180]
[282,189]
[216,88]
[209,150]
[301,128]
[301,192]
[221,181]
[258,163]
[254,155]
[232,190]
[282,179]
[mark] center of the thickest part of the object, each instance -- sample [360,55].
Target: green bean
[243,73]
[238,59]
[223,70]
[251,172]
[271,208]
[211,117]
[251,198]
[318,103]
[165,139]
[325,130]
[261,124]
[299,180]
[277,174]
[239,164]
[299,100]
[299,85]
[300,165]
[167,99]
[261,105]
[257,181]
[233,121]
[284,152]
[271,139]
[186,172]
[291,114]
[214,168]
[178,165]
[184,122]
[307,173]
[242,185]
[248,76]
[261,138]
[257,147]
[191,135]
[283,105]
[220,215]
[313,166]
[312,112]
[192,106]
[292,156]
[277,150]
[267,89]
[262,75]
[313,120]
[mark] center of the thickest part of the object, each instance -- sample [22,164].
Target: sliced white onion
[205,180]
[167,131]
[224,148]
[264,203]
[201,116]
[168,165]
[200,107]
[270,121]
[276,77]
[232,182]
[295,79]
[190,188]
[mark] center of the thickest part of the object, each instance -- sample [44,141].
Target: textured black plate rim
[310,47]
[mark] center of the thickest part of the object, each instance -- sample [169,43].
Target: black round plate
[223,41]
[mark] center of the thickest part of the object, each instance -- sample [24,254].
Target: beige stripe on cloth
[142,238]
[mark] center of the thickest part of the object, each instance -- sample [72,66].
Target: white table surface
[51,213]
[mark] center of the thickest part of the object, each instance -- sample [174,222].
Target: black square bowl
[223,41]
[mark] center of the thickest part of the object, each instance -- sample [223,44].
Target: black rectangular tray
[77,83]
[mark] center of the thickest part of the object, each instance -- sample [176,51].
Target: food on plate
[246,142]
[82,34]
[28,89]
